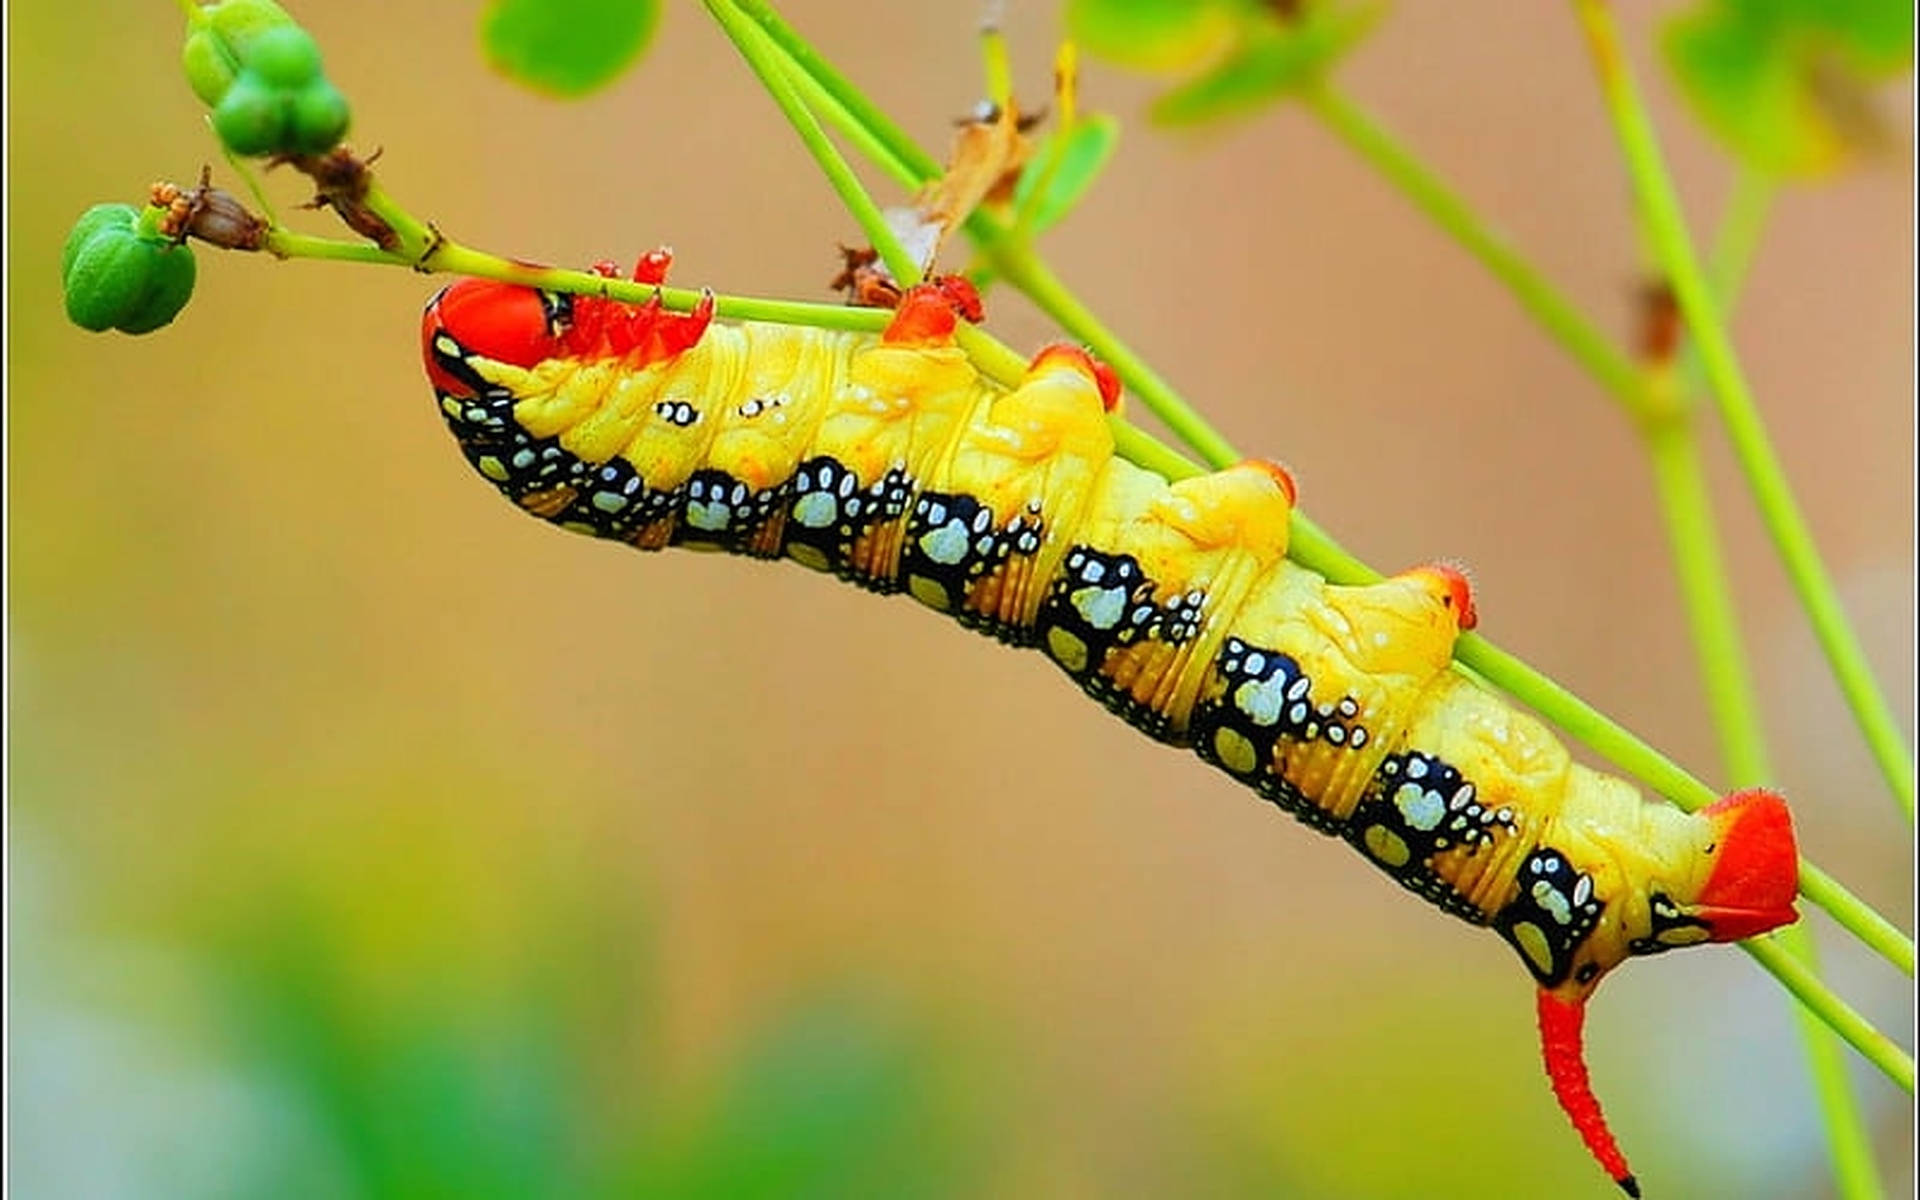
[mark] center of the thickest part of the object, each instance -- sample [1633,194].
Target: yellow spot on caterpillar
[810,557]
[447,346]
[1235,751]
[1067,650]
[929,592]
[1387,846]
[1533,944]
[493,468]
[450,405]
[1682,935]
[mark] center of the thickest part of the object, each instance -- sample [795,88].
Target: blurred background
[369,838]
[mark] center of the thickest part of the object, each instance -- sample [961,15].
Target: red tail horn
[1560,1024]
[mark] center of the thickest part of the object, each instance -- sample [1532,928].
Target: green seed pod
[100,216]
[285,57]
[117,278]
[319,118]
[171,286]
[208,66]
[252,117]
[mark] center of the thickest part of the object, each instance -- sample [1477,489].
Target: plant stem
[1711,612]
[1673,446]
[1428,192]
[764,57]
[1799,979]
[851,99]
[1738,412]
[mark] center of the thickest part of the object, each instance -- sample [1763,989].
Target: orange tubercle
[1453,577]
[653,266]
[925,317]
[1280,475]
[1103,376]
[1753,885]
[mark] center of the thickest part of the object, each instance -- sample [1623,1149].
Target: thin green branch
[1714,619]
[764,57]
[1653,187]
[1428,192]
[1799,979]
[1711,613]
[851,99]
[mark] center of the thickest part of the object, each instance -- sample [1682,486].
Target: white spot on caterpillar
[1583,890]
[1552,902]
[708,517]
[1101,607]
[1261,701]
[1422,809]
[946,545]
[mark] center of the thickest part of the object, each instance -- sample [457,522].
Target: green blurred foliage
[1062,169]
[1786,84]
[1240,56]
[567,48]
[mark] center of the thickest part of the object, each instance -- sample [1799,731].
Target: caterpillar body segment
[890,462]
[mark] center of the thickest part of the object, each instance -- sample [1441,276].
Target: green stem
[850,99]
[1431,195]
[1714,619]
[1799,979]
[763,56]
[1711,612]
[1738,412]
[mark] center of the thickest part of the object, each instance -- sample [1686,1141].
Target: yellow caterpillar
[889,461]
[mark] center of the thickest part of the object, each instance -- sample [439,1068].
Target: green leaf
[1156,35]
[566,48]
[1785,85]
[1275,58]
[1062,171]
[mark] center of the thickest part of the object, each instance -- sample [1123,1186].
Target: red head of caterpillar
[889,461]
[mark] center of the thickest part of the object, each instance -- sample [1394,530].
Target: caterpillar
[889,461]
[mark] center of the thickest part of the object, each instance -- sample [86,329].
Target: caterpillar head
[524,326]
[1728,872]
[483,318]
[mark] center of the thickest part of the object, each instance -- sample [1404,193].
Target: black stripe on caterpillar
[890,462]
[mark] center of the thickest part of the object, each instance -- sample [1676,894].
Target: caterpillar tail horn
[1561,1022]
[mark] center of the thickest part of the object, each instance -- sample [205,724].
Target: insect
[889,462]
